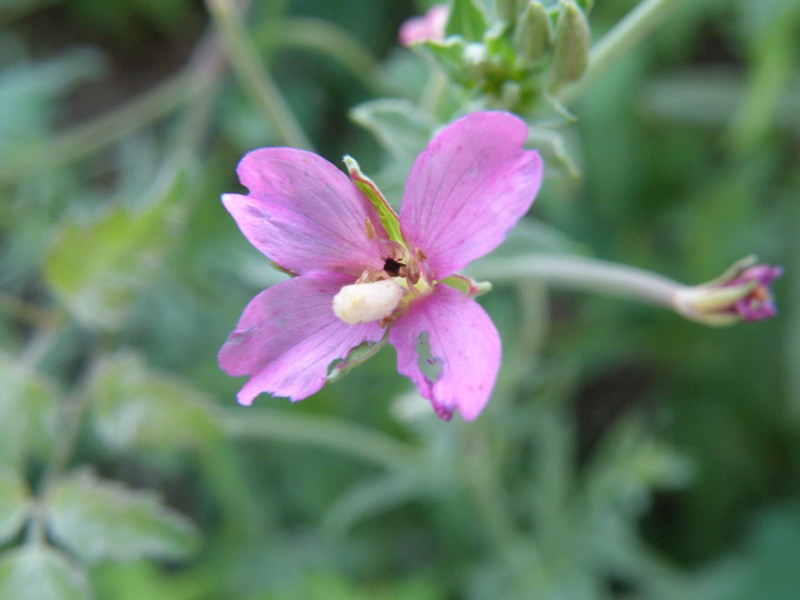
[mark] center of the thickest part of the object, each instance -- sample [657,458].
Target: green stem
[208,62]
[253,74]
[636,24]
[328,433]
[315,34]
[584,274]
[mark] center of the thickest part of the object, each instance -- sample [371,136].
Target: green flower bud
[572,42]
[509,10]
[475,60]
[532,35]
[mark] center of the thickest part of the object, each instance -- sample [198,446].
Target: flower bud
[431,26]
[532,35]
[366,302]
[741,294]
[509,10]
[572,42]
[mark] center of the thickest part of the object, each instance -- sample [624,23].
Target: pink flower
[431,26]
[354,280]
[756,301]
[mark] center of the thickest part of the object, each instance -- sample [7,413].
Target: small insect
[392,266]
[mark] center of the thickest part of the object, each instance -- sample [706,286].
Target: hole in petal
[429,365]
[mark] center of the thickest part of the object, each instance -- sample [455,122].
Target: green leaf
[29,414]
[389,218]
[467,20]
[399,125]
[99,519]
[96,269]
[14,497]
[37,572]
[137,408]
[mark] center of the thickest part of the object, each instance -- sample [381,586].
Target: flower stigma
[365,302]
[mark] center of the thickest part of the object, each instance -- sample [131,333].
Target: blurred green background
[626,453]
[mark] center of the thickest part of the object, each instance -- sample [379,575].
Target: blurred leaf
[14,496]
[145,580]
[775,25]
[366,500]
[629,464]
[36,572]
[29,93]
[97,268]
[134,407]
[100,519]
[331,585]
[467,20]
[29,414]
[772,553]
[402,128]
[449,55]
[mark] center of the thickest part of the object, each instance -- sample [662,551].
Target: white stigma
[365,302]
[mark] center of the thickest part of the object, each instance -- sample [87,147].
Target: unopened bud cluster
[514,57]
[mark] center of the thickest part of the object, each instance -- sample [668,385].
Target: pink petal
[288,336]
[463,344]
[468,188]
[431,26]
[305,214]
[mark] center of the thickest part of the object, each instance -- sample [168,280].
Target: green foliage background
[626,453]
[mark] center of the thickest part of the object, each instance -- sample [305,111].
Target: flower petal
[448,332]
[468,188]
[288,336]
[305,214]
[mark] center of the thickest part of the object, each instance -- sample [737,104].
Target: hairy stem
[253,74]
[584,274]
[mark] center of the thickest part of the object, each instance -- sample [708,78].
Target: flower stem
[636,24]
[584,274]
[319,36]
[253,74]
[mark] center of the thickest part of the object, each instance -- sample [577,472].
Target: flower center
[381,296]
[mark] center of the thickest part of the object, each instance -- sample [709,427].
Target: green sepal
[357,356]
[467,20]
[468,286]
[389,218]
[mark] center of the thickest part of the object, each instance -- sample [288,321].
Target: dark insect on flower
[392,266]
